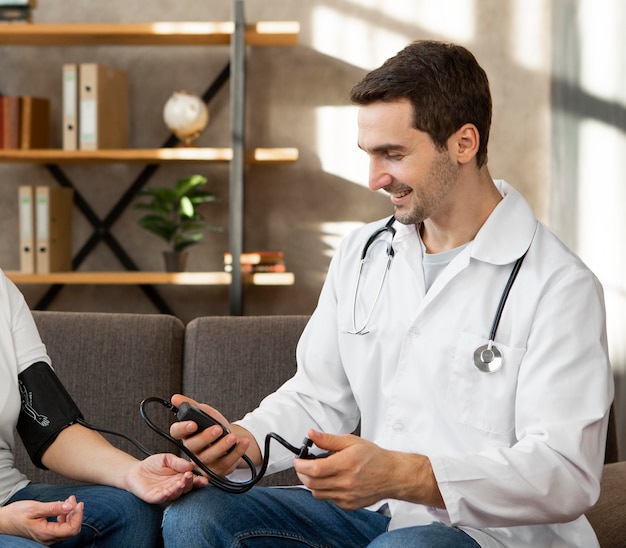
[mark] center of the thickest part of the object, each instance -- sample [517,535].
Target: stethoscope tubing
[388,227]
[505,296]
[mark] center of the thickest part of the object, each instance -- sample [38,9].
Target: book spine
[35,123]
[253,268]
[11,106]
[259,257]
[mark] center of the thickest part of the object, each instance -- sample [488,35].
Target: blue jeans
[272,517]
[112,518]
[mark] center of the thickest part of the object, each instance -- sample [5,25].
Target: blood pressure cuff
[47,409]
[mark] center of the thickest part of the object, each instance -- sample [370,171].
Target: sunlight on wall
[339,154]
[453,19]
[601,176]
[601,55]
[385,27]
[333,233]
[448,19]
[529,34]
[353,39]
[602,169]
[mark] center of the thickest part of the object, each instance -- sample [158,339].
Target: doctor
[481,383]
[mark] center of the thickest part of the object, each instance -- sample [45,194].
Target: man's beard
[441,178]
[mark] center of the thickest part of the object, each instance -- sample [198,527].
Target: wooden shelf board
[158,155]
[148,278]
[267,33]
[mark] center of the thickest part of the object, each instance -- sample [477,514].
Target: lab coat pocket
[485,401]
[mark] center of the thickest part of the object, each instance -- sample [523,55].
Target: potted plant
[172,215]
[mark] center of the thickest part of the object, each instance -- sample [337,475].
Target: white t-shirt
[20,347]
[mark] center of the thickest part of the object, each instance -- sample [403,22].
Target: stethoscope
[390,255]
[487,357]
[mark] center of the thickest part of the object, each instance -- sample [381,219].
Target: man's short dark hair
[444,83]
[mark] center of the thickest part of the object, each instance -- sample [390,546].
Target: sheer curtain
[588,194]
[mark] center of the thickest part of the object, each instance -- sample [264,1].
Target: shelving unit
[238,34]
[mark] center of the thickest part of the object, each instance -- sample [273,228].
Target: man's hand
[162,478]
[360,473]
[222,457]
[28,519]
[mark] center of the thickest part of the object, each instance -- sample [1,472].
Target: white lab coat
[517,453]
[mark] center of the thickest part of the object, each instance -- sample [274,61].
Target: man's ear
[465,143]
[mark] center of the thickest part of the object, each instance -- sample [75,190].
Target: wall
[297,96]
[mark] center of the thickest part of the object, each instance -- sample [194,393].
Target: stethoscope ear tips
[488,358]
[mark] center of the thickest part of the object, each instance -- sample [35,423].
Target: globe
[186,115]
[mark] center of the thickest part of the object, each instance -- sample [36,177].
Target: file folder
[53,234]
[70,106]
[103,107]
[26,212]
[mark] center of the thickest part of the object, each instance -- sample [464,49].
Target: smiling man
[466,340]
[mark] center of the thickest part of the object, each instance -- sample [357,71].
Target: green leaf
[171,212]
[186,207]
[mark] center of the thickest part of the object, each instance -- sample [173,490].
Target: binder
[103,107]
[11,106]
[53,229]
[70,106]
[26,212]
[34,122]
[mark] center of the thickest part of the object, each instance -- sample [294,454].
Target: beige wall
[297,96]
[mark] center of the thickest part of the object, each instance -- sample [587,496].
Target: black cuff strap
[47,409]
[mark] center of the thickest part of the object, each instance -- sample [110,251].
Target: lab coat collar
[508,232]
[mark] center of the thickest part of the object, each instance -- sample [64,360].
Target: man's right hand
[222,456]
[29,519]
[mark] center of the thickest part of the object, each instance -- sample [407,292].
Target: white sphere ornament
[186,115]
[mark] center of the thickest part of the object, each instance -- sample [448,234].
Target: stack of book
[257,261]
[24,122]
[45,219]
[16,10]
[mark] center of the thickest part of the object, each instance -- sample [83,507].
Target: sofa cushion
[607,516]
[109,363]
[233,362]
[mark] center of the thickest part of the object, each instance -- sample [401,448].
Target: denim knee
[435,535]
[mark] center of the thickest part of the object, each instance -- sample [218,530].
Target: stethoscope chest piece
[488,358]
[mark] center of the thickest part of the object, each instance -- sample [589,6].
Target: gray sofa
[110,362]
